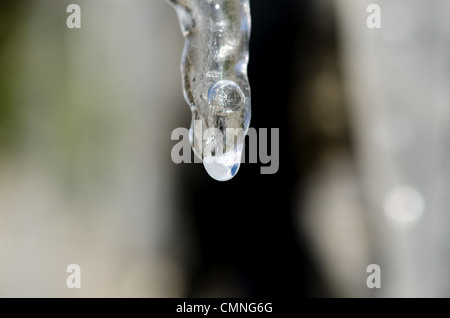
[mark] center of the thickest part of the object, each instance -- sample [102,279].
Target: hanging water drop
[224,167]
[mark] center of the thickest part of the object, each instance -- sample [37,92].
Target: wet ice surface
[225,97]
[215,83]
[223,167]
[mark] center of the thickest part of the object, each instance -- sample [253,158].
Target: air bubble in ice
[225,97]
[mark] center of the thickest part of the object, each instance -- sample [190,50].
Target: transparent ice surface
[215,83]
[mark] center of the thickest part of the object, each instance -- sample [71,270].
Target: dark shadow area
[246,229]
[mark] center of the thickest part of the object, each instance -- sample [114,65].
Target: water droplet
[225,97]
[223,167]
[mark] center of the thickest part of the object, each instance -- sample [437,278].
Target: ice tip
[223,167]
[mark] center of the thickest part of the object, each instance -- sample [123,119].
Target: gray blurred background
[86,175]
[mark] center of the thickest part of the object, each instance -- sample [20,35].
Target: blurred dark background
[246,228]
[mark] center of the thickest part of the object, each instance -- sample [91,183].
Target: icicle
[215,83]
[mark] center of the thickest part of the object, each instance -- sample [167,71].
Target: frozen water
[214,74]
[223,167]
[225,97]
